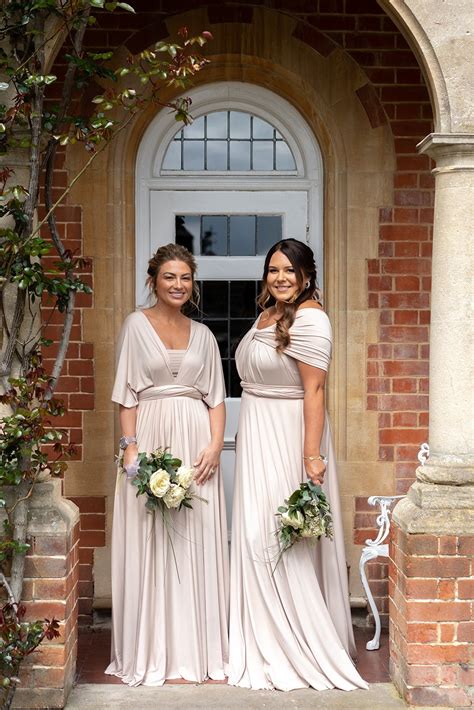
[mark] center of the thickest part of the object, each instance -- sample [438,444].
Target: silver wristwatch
[125,441]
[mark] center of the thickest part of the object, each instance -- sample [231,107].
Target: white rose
[174,496]
[295,519]
[185,476]
[159,483]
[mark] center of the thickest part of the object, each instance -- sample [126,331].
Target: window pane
[188,232]
[219,328]
[239,124]
[262,155]
[240,155]
[261,129]
[242,235]
[269,231]
[217,125]
[216,155]
[238,328]
[284,158]
[195,129]
[242,299]
[214,236]
[193,155]
[215,299]
[235,389]
[172,159]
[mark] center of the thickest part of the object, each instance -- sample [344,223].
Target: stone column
[431,586]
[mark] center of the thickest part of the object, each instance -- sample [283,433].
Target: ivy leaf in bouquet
[305,515]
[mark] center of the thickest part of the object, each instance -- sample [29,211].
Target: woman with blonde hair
[170,582]
[290,625]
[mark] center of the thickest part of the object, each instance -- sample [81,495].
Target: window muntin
[228,235]
[229,141]
[229,310]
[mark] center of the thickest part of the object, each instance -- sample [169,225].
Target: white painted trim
[227,96]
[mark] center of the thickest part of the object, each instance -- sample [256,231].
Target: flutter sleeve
[215,377]
[126,375]
[311,338]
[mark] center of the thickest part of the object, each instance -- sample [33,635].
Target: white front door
[244,174]
[229,232]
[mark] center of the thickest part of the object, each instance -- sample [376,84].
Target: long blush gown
[164,627]
[290,627]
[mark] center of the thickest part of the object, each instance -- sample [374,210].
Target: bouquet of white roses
[306,514]
[163,479]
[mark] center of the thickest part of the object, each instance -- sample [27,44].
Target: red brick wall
[431,618]
[76,384]
[92,535]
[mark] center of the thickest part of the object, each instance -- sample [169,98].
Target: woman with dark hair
[170,388]
[290,625]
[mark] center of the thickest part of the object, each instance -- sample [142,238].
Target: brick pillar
[431,567]
[431,626]
[51,589]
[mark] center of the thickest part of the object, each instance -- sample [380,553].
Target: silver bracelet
[125,441]
[320,457]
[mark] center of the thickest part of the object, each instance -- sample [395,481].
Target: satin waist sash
[273,391]
[166,391]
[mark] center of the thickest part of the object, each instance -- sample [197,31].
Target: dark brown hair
[172,252]
[301,258]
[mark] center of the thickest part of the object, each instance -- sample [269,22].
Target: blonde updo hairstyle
[301,258]
[172,252]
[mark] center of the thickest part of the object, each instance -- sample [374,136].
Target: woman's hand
[206,464]
[130,454]
[315,470]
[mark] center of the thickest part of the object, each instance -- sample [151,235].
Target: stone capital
[453,152]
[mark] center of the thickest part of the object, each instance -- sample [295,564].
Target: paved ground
[381,696]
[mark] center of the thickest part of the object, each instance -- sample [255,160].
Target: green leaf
[125,6]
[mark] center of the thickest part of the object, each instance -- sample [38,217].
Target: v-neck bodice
[144,362]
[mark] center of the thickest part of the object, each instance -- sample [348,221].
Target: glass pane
[214,236]
[261,129]
[219,328]
[215,299]
[172,159]
[225,367]
[240,155]
[235,389]
[238,328]
[262,155]
[284,158]
[239,124]
[195,129]
[242,299]
[188,232]
[242,235]
[193,155]
[217,125]
[216,155]
[269,231]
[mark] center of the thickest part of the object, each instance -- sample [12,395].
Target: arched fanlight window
[229,141]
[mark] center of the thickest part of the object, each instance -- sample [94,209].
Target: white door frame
[158,192]
[240,97]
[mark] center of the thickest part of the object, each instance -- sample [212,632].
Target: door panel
[229,239]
